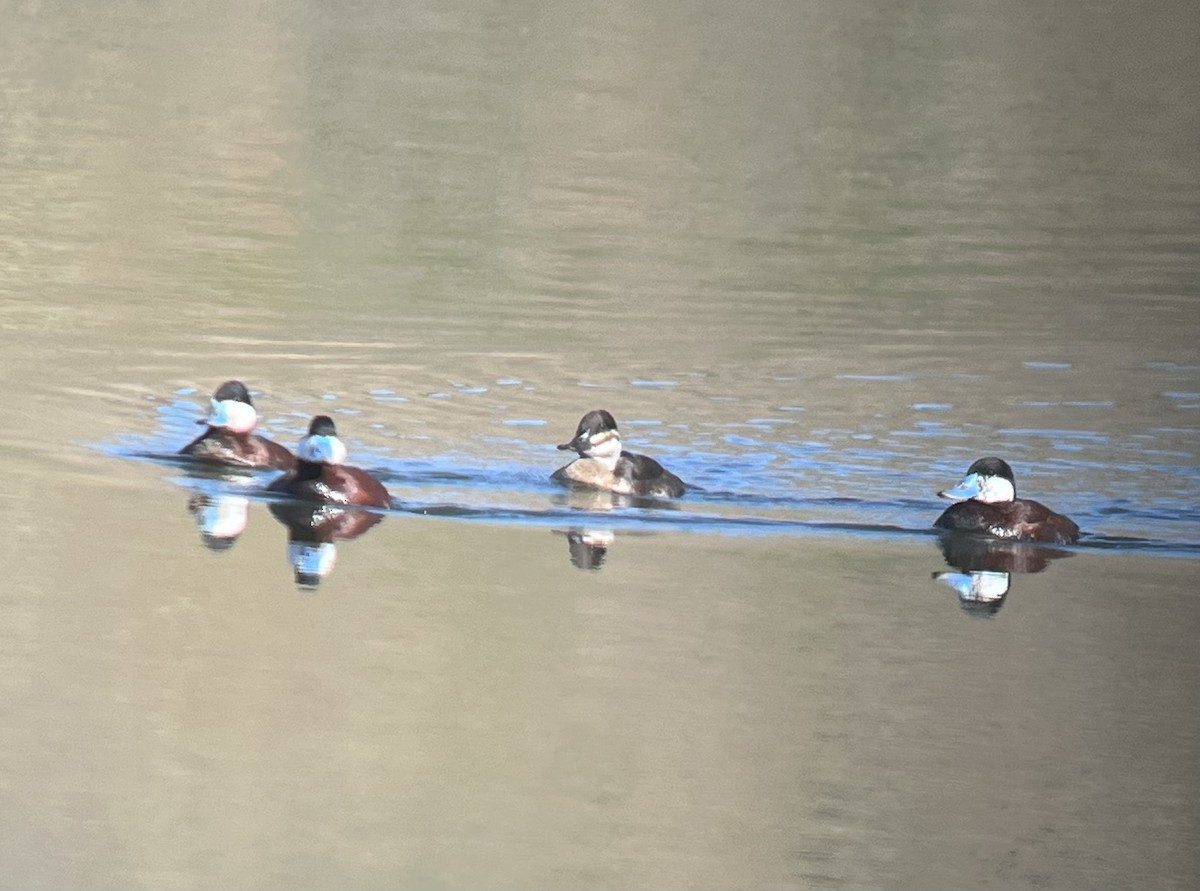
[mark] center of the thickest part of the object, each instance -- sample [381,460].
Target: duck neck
[309,470]
[607,453]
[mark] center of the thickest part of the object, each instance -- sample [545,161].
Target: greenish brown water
[816,259]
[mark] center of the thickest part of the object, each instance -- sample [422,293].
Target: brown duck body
[632,475]
[1019,520]
[332,484]
[217,445]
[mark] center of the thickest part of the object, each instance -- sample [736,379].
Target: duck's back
[332,483]
[356,486]
[1020,520]
[221,446]
[647,477]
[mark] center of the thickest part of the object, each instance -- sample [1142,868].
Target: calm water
[815,258]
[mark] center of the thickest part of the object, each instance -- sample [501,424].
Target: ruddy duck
[321,473]
[230,437]
[603,465]
[994,509]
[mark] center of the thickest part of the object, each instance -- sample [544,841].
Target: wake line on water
[752,525]
[644,514]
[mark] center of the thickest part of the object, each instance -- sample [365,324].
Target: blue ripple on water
[751,475]
[1054,434]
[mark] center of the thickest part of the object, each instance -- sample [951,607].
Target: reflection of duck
[312,531]
[603,465]
[588,547]
[975,553]
[979,593]
[986,566]
[230,437]
[321,473]
[581,499]
[221,518]
[992,507]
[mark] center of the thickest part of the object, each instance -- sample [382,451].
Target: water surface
[815,258]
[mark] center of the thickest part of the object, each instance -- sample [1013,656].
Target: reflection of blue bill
[977,587]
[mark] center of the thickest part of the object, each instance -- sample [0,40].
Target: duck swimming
[230,437]
[321,473]
[991,506]
[602,464]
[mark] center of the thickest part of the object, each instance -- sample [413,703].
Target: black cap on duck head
[233,390]
[230,408]
[997,467]
[322,425]
[591,426]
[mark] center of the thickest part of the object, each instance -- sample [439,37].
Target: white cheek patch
[234,416]
[996,490]
[321,450]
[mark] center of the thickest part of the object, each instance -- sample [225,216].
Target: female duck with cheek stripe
[321,473]
[992,507]
[230,437]
[602,464]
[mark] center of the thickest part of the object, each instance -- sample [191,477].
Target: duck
[322,475]
[987,502]
[602,464]
[229,437]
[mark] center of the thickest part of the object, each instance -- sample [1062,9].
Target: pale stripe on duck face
[605,447]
